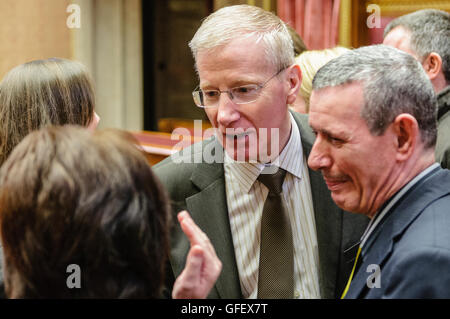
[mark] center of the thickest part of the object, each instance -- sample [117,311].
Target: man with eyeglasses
[271,219]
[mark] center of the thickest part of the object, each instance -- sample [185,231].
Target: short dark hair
[430,32]
[69,196]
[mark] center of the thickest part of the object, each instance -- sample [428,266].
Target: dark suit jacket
[2,284]
[200,188]
[442,151]
[411,245]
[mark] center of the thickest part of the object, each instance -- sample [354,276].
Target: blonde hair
[41,93]
[310,62]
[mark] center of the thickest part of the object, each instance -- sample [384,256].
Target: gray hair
[430,32]
[240,21]
[393,83]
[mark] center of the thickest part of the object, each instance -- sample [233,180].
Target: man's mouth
[236,136]
[333,183]
[237,133]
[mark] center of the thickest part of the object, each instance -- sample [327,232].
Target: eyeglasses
[239,95]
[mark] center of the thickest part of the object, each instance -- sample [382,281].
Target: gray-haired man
[373,111]
[247,77]
[425,34]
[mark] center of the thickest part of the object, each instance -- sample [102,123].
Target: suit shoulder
[183,162]
[442,150]
[168,170]
[303,125]
[431,228]
[199,161]
[421,272]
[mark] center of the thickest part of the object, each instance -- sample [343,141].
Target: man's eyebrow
[233,84]
[244,82]
[326,132]
[331,134]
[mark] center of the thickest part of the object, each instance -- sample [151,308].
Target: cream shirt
[245,199]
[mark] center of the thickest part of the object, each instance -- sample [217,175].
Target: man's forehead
[400,38]
[340,101]
[238,53]
[322,97]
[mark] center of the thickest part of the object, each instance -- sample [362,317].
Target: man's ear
[294,76]
[432,65]
[406,130]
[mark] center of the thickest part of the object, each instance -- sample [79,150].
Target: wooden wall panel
[32,30]
[354,30]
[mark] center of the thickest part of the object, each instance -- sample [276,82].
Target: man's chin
[340,200]
[242,155]
[347,203]
[240,149]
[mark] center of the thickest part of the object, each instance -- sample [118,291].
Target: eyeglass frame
[230,95]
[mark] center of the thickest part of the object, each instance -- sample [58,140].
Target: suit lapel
[328,217]
[376,257]
[381,243]
[209,210]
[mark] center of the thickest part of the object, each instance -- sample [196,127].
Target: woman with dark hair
[44,92]
[70,199]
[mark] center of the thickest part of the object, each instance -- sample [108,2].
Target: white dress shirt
[245,199]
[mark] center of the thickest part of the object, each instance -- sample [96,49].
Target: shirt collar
[290,159]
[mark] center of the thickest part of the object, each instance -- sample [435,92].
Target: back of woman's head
[43,92]
[71,197]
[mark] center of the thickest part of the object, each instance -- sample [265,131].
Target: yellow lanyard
[351,275]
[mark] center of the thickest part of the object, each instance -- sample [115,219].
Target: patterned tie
[276,262]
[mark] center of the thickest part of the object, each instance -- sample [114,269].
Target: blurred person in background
[425,34]
[44,92]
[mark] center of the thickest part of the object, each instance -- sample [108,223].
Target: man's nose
[319,158]
[227,110]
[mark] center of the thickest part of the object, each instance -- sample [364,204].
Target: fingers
[189,284]
[195,235]
[194,264]
[202,268]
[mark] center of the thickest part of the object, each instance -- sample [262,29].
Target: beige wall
[32,30]
[108,42]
